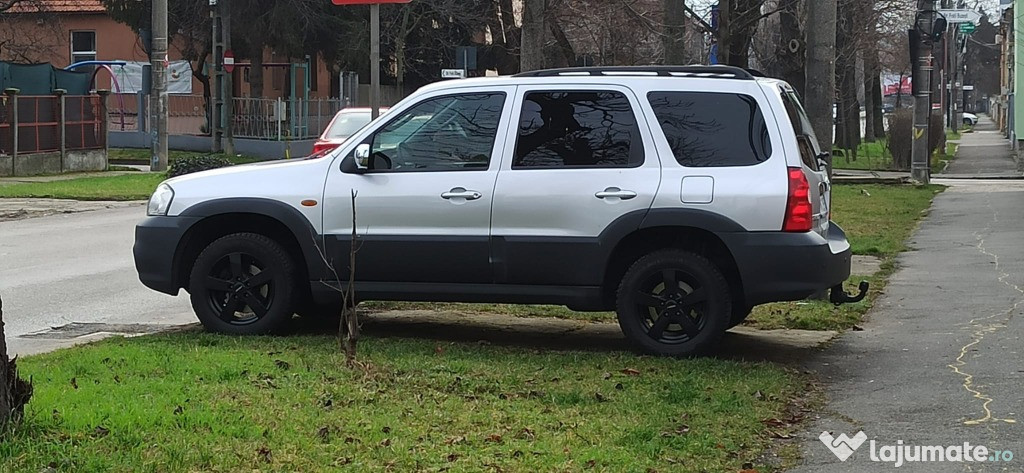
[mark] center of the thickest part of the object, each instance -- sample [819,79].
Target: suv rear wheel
[243,284]
[673,303]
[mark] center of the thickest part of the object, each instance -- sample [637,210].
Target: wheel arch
[687,229]
[273,219]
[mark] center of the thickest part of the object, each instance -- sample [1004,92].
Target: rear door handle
[461,193]
[615,192]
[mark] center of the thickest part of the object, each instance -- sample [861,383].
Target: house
[63,32]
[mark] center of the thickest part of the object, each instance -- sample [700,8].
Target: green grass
[203,402]
[871,156]
[136,186]
[131,154]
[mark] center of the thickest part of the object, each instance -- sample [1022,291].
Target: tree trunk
[14,392]
[674,40]
[848,110]
[872,95]
[256,71]
[878,115]
[820,75]
[724,30]
[792,45]
[531,51]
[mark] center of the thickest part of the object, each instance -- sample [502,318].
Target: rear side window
[805,138]
[574,129]
[708,129]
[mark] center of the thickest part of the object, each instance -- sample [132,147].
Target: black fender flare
[310,242]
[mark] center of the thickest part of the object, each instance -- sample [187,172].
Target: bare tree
[531,55]
[31,45]
[14,392]
[820,72]
[674,40]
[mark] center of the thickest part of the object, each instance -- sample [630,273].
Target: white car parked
[680,197]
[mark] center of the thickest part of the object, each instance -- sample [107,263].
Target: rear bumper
[777,266]
[156,243]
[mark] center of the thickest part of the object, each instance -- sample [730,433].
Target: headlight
[160,201]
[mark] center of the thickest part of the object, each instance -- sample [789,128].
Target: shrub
[182,166]
[901,137]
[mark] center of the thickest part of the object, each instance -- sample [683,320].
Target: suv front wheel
[243,284]
[673,303]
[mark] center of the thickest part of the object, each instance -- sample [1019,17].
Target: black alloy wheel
[673,303]
[243,284]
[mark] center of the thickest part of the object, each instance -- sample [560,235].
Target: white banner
[129,77]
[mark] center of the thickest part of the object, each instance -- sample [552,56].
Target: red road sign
[366,2]
[229,61]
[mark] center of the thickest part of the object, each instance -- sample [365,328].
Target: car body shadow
[740,344]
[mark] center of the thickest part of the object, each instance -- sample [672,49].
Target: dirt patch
[19,209]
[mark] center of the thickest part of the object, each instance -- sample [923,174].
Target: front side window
[450,133]
[708,129]
[577,129]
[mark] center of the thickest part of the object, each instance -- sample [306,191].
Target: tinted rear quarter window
[709,129]
[572,129]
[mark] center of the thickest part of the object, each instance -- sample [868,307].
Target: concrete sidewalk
[983,153]
[941,358]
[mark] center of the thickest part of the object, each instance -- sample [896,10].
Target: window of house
[83,46]
[577,129]
[709,129]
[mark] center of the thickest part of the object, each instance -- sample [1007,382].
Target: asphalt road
[78,268]
[940,361]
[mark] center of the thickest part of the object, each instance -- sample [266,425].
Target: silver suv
[680,197]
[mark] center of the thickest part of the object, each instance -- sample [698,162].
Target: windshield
[347,123]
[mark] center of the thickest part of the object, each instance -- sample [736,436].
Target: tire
[661,321]
[243,284]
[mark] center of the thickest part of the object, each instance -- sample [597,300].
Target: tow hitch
[839,295]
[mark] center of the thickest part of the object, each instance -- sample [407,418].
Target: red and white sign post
[374,47]
[229,61]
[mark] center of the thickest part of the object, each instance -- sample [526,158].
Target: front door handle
[615,192]
[461,193]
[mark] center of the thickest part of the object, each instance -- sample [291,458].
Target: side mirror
[362,156]
[357,162]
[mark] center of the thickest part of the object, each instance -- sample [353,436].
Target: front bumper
[777,266]
[156,244]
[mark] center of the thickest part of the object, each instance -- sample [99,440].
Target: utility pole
[374,61]
[924,36]
[217,101]
[158,96]
[229,87]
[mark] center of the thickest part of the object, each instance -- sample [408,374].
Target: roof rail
[718,71]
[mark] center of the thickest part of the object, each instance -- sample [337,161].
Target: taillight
[798,204]
[322,147]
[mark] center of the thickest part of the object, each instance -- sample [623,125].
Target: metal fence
[253,118]
[33,123]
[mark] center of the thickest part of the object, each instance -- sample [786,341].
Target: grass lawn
[132,154]
[203,402]
[874,156]
[136,186]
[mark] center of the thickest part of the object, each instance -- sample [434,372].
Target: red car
[343,125]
